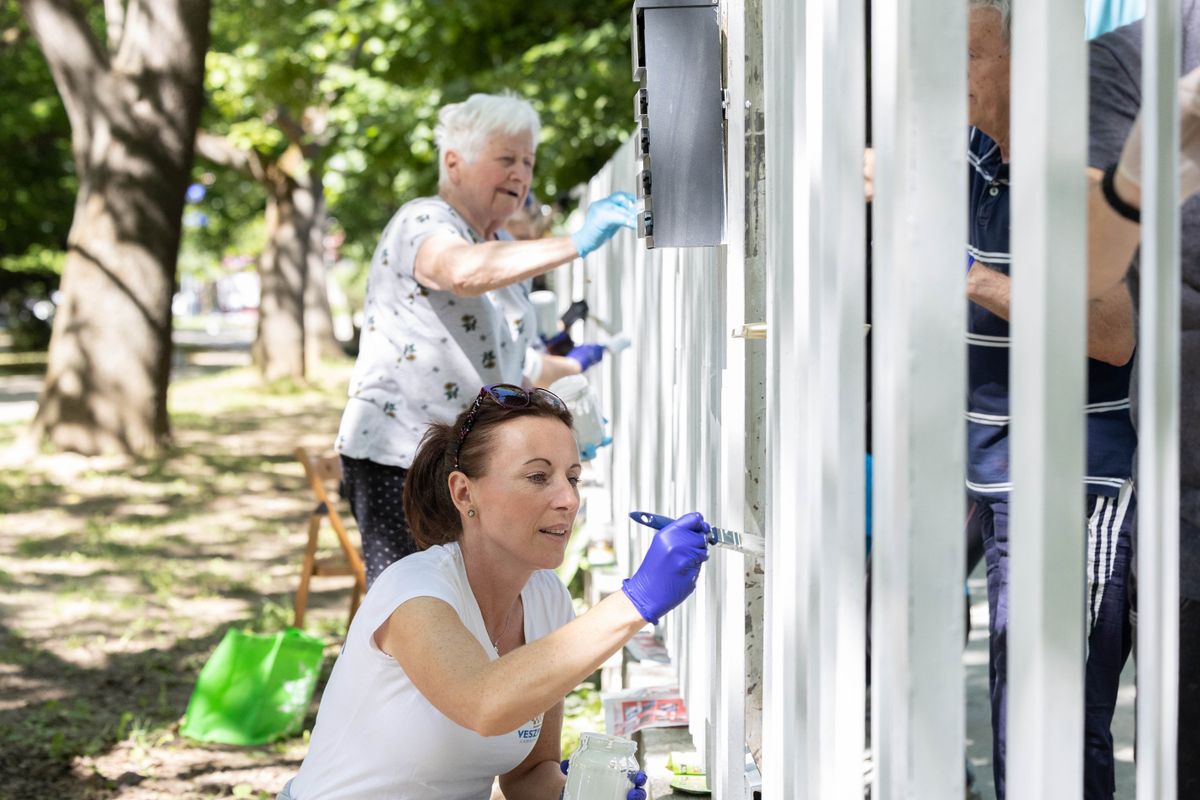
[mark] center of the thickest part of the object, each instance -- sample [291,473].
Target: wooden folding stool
[324,472]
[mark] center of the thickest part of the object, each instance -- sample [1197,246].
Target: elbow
[1116,355]
[455,275]
[462,285]
[1122,358]
[491,719]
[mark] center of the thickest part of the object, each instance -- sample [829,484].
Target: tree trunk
[295,327]
[319,341]
[133,122]
[283,273]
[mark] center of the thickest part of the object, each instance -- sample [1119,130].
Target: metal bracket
[751,330]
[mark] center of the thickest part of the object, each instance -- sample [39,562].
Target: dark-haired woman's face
[527,500]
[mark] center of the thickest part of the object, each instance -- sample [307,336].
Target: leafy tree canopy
[363,79]
[37,176]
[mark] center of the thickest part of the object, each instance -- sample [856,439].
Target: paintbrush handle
[656,521]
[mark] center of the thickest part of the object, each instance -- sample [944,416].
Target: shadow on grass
[88,710]
[79,711]
[169,551]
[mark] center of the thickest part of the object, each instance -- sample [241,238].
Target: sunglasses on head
[509,397]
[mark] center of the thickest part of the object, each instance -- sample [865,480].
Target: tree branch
[114,18]
[299,132]
[281,118]
[222,152]
[70,47]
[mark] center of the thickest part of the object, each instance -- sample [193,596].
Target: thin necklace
[504,630]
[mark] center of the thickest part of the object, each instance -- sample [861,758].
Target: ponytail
[428,507]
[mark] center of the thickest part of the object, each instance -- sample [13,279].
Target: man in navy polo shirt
[1115,91]
[1111,441]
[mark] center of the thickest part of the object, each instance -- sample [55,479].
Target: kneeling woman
[455,668]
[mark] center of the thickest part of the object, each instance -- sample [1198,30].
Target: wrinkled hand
[604,218]
[1129,168]
[586,355]
[669,571]
[636,779]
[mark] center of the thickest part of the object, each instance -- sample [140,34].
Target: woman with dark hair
[455,668]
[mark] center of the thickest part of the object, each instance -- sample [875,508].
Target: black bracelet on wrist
[1131,213]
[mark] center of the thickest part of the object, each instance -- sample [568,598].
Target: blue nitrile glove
[669,571]
[604,218]
[586,355]
[638,779]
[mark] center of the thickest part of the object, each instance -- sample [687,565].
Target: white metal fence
[680,407]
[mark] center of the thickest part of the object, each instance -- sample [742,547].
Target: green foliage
[582,713]
[365,78]
[37,176]
[36,260]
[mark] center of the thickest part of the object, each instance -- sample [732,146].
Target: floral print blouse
[424,354]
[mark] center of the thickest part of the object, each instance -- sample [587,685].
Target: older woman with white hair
[447,308]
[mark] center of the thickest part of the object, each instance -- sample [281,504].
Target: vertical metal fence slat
[730,371]
[1158,410]
[1047,540]
[919,111]
[843,415]
[785,739]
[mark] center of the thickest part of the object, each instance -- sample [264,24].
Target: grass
[120,577]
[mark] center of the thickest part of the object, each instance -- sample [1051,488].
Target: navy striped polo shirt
[1110,433]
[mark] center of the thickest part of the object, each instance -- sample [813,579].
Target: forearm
[544,782]
[1109,321]
[1112,239]
[989,288]
[531,679]
[555,367]
[1110,327]
[474,269]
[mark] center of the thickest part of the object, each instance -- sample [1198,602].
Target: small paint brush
[717,537]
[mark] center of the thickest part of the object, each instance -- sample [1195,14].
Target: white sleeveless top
[377,736]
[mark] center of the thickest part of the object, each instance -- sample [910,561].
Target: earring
[470,512]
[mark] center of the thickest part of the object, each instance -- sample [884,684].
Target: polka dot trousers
[376,493]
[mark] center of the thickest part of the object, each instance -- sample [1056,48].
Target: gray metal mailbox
[680,114]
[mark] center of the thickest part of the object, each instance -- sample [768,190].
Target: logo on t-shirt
[530,730]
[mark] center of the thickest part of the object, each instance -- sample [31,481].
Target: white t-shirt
[424,354]
[377,736]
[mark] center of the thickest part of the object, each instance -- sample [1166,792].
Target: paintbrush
[718,537]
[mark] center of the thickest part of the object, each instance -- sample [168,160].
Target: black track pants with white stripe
[1109,635]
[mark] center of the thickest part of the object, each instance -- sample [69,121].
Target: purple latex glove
[638,779]
[586,355]
[669,571]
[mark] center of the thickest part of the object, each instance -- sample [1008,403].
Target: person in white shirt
[455,668]
[447,308]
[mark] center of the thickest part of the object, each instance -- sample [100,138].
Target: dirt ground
[117,580]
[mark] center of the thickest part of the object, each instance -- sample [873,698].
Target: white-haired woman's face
[496,182]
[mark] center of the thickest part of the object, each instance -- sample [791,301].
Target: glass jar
[600,768]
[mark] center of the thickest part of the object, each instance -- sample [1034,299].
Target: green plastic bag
[255,688]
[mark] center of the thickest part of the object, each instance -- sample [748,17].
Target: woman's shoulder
[433,571]
[431,210]
[436,557]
